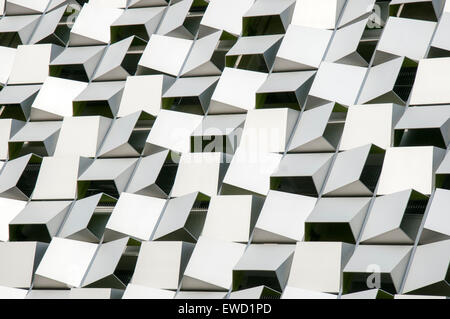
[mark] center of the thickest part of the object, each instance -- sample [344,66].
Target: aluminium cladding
[224,149]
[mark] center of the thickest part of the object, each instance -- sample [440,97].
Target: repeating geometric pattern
[224,149]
